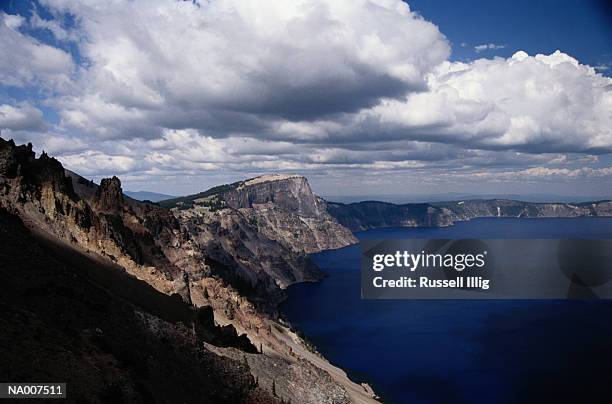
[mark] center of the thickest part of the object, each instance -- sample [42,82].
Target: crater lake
[442,351]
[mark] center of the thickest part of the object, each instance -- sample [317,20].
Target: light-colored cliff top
[270,177]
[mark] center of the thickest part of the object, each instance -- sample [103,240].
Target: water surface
[461,351]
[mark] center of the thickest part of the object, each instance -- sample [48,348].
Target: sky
[363,97]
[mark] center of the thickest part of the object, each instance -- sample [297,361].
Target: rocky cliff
[290,193]
[282,208]
[260,231]
[466,210]
[65,316]
[373,214]
[198,286]
[99,220]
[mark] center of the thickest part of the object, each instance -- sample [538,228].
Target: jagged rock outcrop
[141,238]
[29,174]
[109,196]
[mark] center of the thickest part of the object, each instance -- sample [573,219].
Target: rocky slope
[65,316]
[211,281]
[373,214]
[259,232]
[262,229]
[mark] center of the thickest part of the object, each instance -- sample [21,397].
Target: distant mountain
[148,196]
[375,214]
[458,196]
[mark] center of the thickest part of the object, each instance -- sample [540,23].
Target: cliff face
[298,233]
[286,192]
[284,208]
[254,264]
[211,283]
[213,268]
[279,207]
[465,210]
[372,214]
[263,230]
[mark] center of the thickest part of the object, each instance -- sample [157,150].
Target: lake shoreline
[384,343]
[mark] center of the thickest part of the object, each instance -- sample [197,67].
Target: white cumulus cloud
[287,60]
[541,103]
[25,61]
[21,117]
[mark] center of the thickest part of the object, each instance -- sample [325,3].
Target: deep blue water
[461,351]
